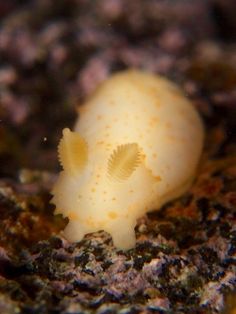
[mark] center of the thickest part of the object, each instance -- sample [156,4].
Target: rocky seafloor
[52,55]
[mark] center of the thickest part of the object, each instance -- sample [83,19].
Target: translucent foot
[124,239]
[74,231]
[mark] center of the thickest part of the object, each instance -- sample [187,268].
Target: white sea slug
[135,146]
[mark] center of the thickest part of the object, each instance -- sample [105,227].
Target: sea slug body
[135,146]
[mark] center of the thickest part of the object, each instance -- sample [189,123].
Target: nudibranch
[135,147]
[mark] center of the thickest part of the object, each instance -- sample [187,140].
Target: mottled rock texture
[52,55]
